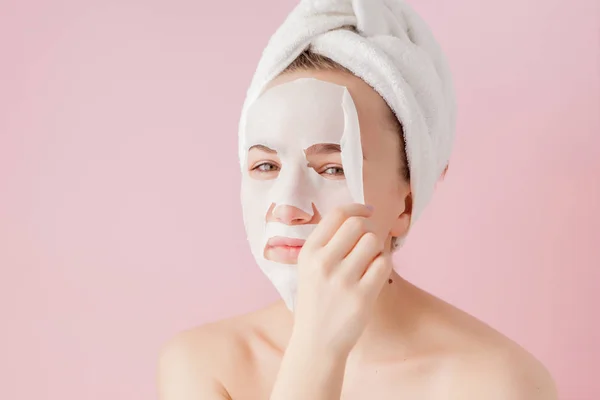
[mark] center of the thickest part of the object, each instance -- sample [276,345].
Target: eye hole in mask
[323,158]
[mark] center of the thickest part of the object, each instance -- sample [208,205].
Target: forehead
[374,115]
[299,112]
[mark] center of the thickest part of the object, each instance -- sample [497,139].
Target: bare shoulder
[482,363]
[502,373]
[489,365]
[193,363]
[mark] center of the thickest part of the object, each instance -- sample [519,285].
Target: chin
[281,259]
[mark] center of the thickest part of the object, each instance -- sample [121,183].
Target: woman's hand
[341,270]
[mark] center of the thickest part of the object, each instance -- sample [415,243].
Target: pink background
[120,221]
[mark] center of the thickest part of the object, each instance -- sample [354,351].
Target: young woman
[354,329]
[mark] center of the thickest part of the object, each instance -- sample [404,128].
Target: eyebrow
[323,148]
[263,148]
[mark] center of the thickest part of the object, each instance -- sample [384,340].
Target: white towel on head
[395,53]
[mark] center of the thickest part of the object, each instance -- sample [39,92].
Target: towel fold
[394,52]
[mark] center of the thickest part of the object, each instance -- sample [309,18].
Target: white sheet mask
[290,118]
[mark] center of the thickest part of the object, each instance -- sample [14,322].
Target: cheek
[381,191]
[254,200]
[377,183]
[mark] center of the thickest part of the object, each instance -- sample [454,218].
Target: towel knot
[374,18]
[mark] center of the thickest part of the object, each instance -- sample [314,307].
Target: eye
[265,167]
[333,171]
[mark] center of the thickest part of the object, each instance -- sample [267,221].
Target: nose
[290,215]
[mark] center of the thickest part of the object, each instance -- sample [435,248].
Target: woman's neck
[392,329]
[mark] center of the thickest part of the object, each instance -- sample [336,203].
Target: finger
[356,263]
[377,273]
[332,222]
[347,237]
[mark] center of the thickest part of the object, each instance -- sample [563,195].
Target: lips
[279,241]
[284,250]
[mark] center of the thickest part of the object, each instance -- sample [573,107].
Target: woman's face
[382,184]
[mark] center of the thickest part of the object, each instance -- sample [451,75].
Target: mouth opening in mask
[283,249]
[286,231]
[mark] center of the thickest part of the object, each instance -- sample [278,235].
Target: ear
[402,223]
